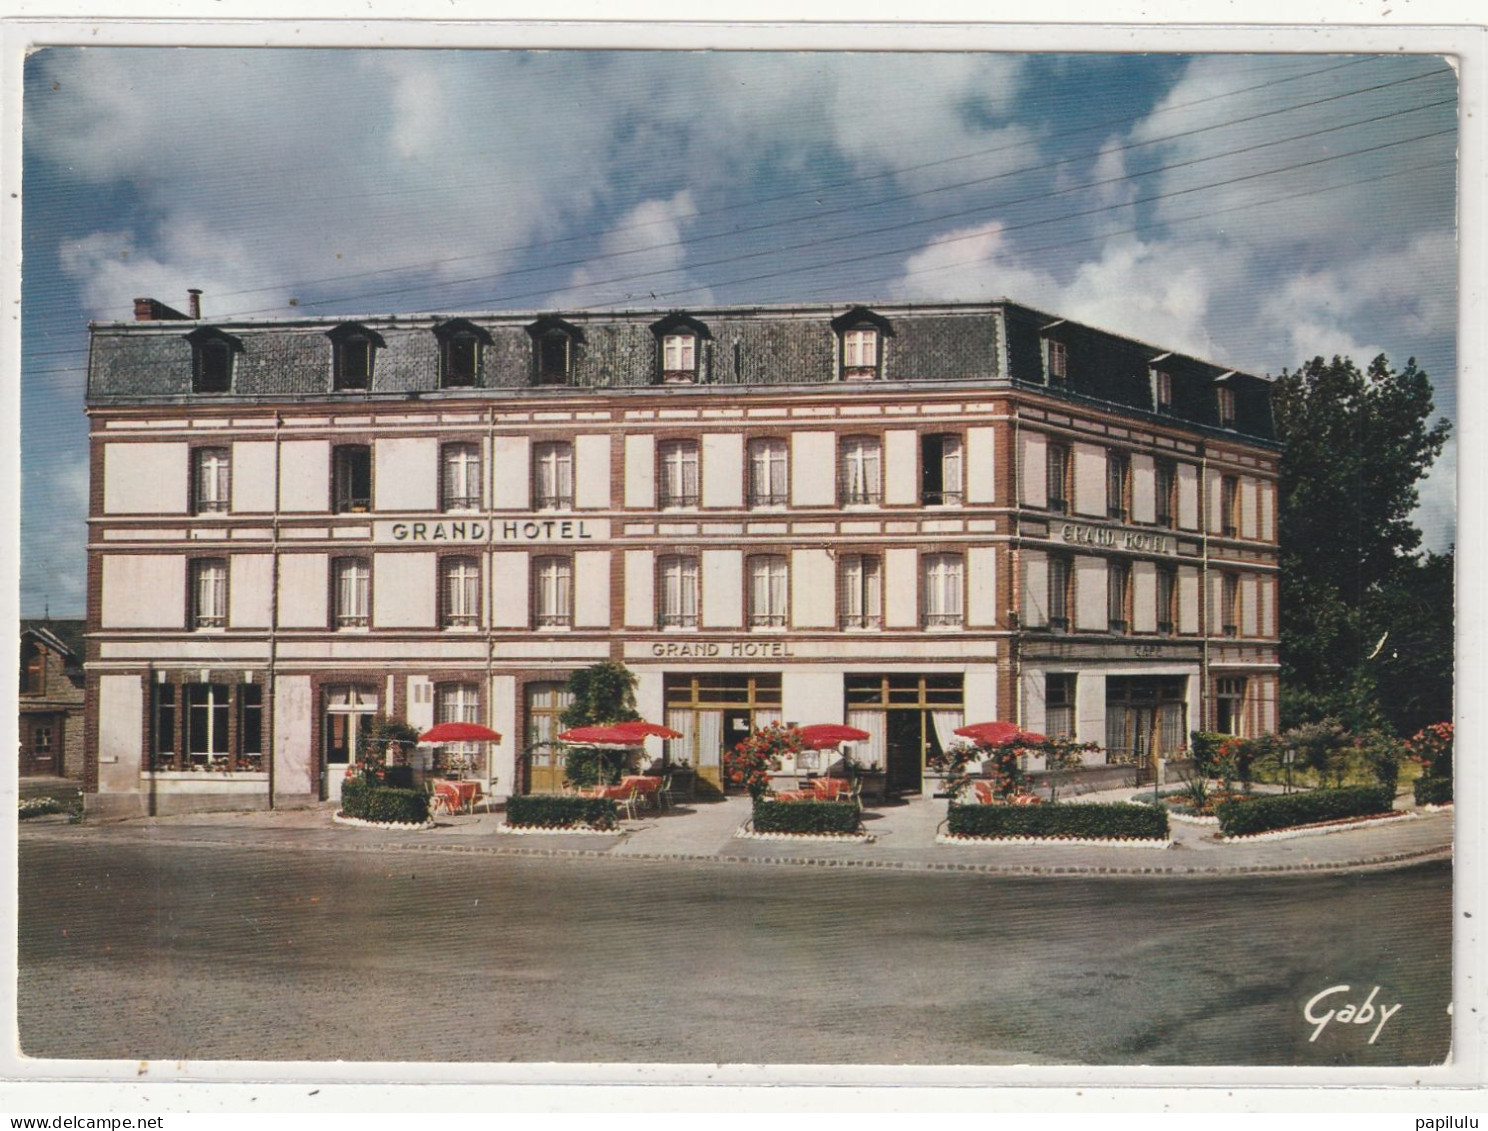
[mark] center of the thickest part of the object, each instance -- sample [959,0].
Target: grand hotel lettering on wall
[480,530]
[1117,538]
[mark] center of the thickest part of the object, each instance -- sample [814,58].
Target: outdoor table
[458,795]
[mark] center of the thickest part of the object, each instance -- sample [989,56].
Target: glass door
[348,710]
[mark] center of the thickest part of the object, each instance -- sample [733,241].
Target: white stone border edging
[1442,808]
[1190,819]
[1129,842]
[388,826]
[1316,830]
[744,832]
[504,829]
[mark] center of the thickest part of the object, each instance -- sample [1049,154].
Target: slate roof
[65,636]
[996,343]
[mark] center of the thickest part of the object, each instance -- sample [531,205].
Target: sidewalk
[904,839]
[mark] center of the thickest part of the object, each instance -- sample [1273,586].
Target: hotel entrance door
[348,710]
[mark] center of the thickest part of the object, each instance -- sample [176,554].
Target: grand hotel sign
[482,530]
[1118,538]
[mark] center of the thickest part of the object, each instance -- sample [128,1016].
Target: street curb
[360,845]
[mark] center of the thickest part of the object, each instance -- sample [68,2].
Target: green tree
[1357,446]
[603,693]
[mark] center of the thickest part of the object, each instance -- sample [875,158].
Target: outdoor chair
[625,799]
[664,798]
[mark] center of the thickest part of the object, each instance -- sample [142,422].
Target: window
[940,470]
[860,353]
[1059,704]
[1056,362]
[552,475]
[1059,477]
[33,668]
[1229,604]
[250,726]
[1167,589]
[769,583]
[767,471]
[552,592]
[1118,486]
[862,591]
[352,354]
[679,357]
[553,350]
[207,713]
[1165,491]
[1229,705]
[211,481]
[208,593]
[553,358]
[460,353]
[351,478]
[860,480]
[1229,505]
[678,481]
[352,578]
[1059,593]
[212,366]
[1162,391]
[942,591]
[1224,398]
[41,740]
[458,703]
[1118,596]
[459,590]
[678,592]
[461,486]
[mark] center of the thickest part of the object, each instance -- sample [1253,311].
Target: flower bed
[562,812]
[1319,829]
[810,818]
[1087,822]
[1262,814]
[340,818]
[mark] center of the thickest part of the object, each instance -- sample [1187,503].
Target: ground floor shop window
[1229,705]
[1059,704]
[908,717]
[208,727]
[1146,718]
[714,712]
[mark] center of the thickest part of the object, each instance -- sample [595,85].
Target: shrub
[1204,749]
[1433,791]
[39,807]
[1432,747]
[1093,822]
[1260,814]
[561,811]
[584,766]
[749,762]
[819,817]
[384,805]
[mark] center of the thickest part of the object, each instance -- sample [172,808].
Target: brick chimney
[195,296]
[153,310]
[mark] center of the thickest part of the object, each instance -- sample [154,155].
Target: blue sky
[1257,210]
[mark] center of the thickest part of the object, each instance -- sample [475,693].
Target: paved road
[159,952]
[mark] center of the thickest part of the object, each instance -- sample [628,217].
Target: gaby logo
[1346,1013]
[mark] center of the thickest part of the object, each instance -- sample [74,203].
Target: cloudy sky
[1256,210]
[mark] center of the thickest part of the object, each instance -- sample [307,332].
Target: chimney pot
[195,296]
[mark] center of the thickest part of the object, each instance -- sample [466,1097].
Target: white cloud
[643,253]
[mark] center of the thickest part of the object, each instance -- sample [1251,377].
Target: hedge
[379,803]
[1283,811]
[1085,821]
[561,811]
[1433,791]
[816,817]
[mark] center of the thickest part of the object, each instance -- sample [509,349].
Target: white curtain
[766,717]
[945,724]
[680,749]
[870,751]
[710,737]
[950,468]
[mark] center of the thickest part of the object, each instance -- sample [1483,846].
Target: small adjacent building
[51,699]
[903,518]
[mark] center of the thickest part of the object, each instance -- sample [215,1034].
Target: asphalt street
[164,952]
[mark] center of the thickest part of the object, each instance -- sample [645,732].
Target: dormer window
[1162,391]
[1056,362]
[1224,399]
[353,349]
[212,360]
[861,335]
[553,347]
[679,342]
[460,353]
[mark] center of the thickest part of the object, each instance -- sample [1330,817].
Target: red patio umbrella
[999,734]
[632,733]
[824,736]
[457,732]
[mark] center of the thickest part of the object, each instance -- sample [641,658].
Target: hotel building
[904,517]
